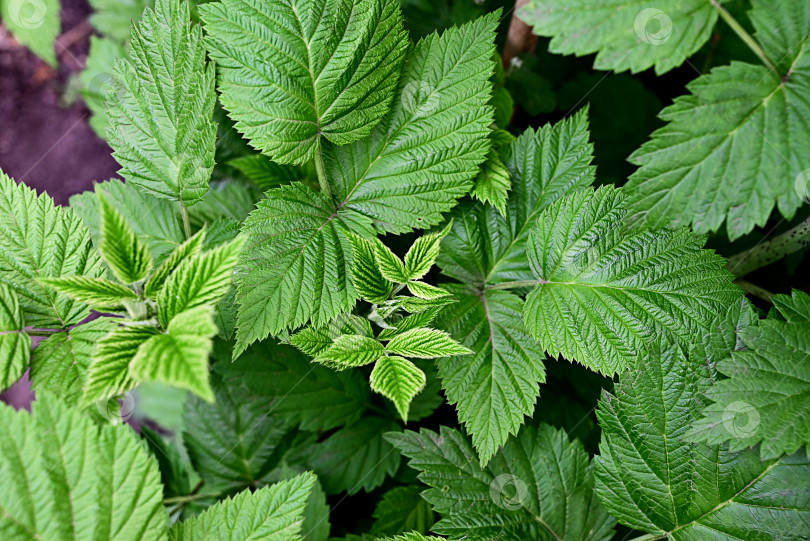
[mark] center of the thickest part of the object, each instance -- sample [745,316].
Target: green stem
[516,285]
[755,290]
[186,222]
[41,332]
[765,253]
[322,180]
[743,34]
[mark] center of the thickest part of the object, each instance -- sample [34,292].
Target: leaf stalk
[321,169]
[765,253]
[743,34]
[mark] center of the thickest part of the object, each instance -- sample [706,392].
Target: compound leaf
[737,145]
[350,350]
[651,478]
[602,295]
[123,251]
[425,343]
[189,248]
[424,155]
[626,35]
[399,380]
[293,71]
[366,272]
[538,486]
[161,106]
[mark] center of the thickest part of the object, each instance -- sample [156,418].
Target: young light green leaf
[633,35]
[188,249]
[419,319]
[350,350]
[35,24]
[296,264]
[538,486]
[391,266]
[402,509]
[714,162]
[291,72]
[73,479]
[354,458]
[602,294]
[127,256]
[155,221]
[399,380]
[441,115]
[422,255]
[99,293]
[425,343]
[426,291]
[179,357]
[497,386]
[311,341]
[708,490]
[313,396]
[114,19]
[199,280]
[108,375]
[410,536]
[161,106]
[493,183]
[765,396]
[366,273]
[60,363]
[38,240]
[15,345]
[272,513]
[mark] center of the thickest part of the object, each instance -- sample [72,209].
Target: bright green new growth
[124,253]
[602,295]
[651,478]
[538,486]
[765,396]
[293,72]
[160,107]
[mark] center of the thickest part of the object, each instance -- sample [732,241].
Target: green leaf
[538,486]
[155,221]
[97,75]
[350,350]
[65,477]
[179,357]
[199,280]
[127,256]
[426,291]
[38,240]
[188,249]
[422,255]
[315,396]
[425,343]
[60,363]
[291,72]
[795,308]
[602,295]
[35,24]
[161,107]
[633,35]
[765,396]
[493,183]
[233,442]
[354,458]
[736,146]
[410,536]
[424,155]
[113,19]
[484,247]
[108,375]
[296,264]
[366,272]
[399,380]
[273,513]
[651,478]
[265,174]
[227,199]
[15,345]
[391,266]
[419,319]
[99,293]
[497,386]
[402,509]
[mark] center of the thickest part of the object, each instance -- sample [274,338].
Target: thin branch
[520,37]
[765,253]
[755,290]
